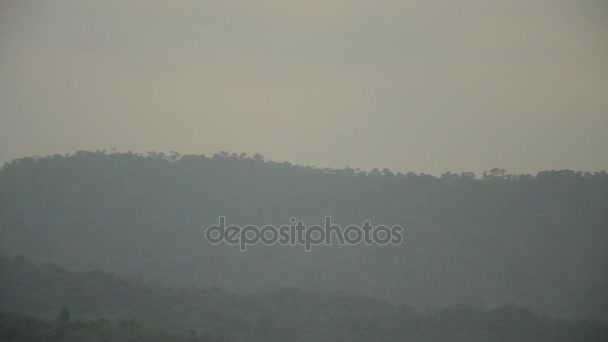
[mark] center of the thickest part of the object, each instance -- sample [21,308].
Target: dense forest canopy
[535,241]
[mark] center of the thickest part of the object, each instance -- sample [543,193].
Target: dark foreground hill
[20,328]
[106,307]
[539,242]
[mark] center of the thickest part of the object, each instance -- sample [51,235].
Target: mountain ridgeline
[534,241]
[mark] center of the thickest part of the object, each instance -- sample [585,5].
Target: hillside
[103,304]
[539,242]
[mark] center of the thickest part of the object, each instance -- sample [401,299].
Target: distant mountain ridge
[539,242]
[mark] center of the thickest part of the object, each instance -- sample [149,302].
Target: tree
[63,316]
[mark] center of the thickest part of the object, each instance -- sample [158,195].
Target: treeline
[536,241]
[94,300]
[22,328]
[244,159]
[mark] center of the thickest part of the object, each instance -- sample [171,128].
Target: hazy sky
[414,85]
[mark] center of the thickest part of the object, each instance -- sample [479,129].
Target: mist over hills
[214,314]
[534,241]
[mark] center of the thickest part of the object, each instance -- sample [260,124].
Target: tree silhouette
[63,316]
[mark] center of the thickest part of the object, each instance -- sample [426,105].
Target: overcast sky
[424,86]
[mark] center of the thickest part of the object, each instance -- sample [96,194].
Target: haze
[407,85]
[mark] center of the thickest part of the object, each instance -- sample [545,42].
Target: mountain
[534,241]
[98,304]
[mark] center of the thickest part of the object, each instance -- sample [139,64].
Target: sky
[411,85]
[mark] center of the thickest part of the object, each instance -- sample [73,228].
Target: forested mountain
[101,307]
[20,328]
[534,241]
